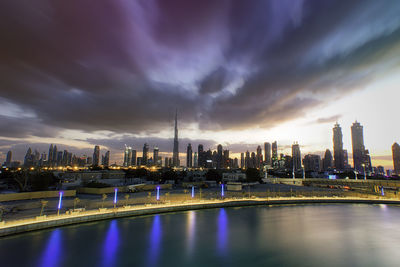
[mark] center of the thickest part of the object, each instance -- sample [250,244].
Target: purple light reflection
[155,240]
[53,253]
[110,245]
[222,231]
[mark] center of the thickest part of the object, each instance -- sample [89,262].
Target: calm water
[309,235]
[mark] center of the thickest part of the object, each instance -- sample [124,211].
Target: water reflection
[222,231]
[52,253]
[110,245]
[190,231]
[155,240]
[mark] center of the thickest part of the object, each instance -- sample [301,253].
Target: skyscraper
[133,158]
[189,153]
[296,155]
[8,159]
[175,154]
[145,154]
[259,157]
[312,163]
[96,156]
[155,156]
[357,140]
[327,160]
[201,156]
[106,161]
[219,156]
[195,160]
[396,158]
[50,158]
[242,165]
[127,156]
[274,152]
[267,153]
[55,153]
[338,147]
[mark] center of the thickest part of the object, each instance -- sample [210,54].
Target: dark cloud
[124,66]
[330,119]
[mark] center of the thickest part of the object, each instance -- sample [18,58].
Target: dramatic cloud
[124,66]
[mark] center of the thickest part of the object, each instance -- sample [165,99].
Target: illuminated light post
[192,191]
[365,175]
[382,192]
[59,203]
[222,190]
[158,193]
[115,197]
[355,175]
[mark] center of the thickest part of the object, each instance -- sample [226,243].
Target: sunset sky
[241,73]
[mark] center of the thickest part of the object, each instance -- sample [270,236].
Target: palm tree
[126,199]
[44,203]
[76,201]
[103,197]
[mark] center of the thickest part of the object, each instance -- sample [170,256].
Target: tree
[103,197]
[169,175]
[253,175]
[76,201]
[126,199]
[43,203]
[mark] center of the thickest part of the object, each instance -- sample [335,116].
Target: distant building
[274,152]
[219,156]
[8,161]
[312,163]
[145,155]
[201,156]
[50,158]
[156,158]
[133,158]
[96,156]
[396,158]
[267,153]
[195,160]
[361,158]
[259,158]
[296,155]
[327,161]
[189,156]
[127,156]
[338,152]
[242,164]
[175,154]
[106,161]
[28,159]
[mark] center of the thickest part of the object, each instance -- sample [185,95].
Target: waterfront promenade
[74,217]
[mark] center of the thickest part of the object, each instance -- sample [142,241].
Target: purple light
[158,193]
[60,200]
[111,243]
[222,190]
[155,241]
[382,192]
[52,254]
[115,195]
[192,191]
[222,241]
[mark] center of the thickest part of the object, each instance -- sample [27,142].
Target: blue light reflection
[110,245]
[155,240]
[53,251]
[222,231]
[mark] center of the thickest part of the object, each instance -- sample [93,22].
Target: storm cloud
[125,66]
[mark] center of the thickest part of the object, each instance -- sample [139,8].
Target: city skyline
[305,66]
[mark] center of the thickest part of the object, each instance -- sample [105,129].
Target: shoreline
[41,223]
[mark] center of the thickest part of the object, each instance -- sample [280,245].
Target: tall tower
[274,152]
[357,140]
[175,154]
[296,156]
[145,154]
[96,156]
[267,153]
[156,158]
[396,157]
[338,153]
[189,157]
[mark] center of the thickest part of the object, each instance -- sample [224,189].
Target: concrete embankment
[16,227]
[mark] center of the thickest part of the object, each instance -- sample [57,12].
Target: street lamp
[115,197]
[158,193]
[59,203]
[365,175]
